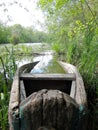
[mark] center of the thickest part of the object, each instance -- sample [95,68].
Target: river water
[47,64]
[47,60]
[44,57]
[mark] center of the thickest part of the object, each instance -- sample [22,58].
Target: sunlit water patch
[47,64]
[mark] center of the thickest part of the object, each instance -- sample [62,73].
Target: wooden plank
[29,76]
[22,91]
[73,89]
[27,67]
[80,96]
[14,103]
[13,112]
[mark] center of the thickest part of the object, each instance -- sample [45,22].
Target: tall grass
[6,76]
[8,66]
[84,55]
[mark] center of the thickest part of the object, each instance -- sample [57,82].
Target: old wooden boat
[39,100]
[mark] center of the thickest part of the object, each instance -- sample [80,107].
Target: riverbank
[12,57]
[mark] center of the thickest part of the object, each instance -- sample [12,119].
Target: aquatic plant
[6,76]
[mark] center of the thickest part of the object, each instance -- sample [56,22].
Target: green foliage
[44,2]
[24,50]
[14,39]
[3,113]
[75,31]
[57,47]
[9,67]
[60,3]
[74,27]
[7,70]
[18,34]
[3,34]
[10,63]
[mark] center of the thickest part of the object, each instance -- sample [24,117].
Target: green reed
[9,67]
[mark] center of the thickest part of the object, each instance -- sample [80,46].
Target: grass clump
[8,68]
[81,50]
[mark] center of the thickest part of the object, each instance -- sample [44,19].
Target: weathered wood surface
[14,102]
[45,128]
[73,89]
[13,112]
[22,91]
[47,76]
[51,108]
[47,107]
[80,95]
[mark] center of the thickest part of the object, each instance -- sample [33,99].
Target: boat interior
[30,83]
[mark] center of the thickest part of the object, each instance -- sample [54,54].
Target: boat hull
[25,85]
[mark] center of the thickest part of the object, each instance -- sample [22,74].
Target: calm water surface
[47,62]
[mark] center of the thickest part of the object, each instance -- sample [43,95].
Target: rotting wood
[13,112]
[73,89]
[51,108]
[80,96]
[24,107]
[14,103]
[22,91]
[47,76]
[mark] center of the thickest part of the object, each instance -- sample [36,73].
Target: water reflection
[47,64]
[41,66]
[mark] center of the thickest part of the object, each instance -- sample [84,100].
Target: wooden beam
[73,89]
[28,76]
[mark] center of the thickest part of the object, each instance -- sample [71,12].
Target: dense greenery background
[19,34]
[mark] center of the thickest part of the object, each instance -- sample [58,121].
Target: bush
[14,40]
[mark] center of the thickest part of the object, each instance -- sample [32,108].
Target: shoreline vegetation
[8,67]
[8,63]
[73,26]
